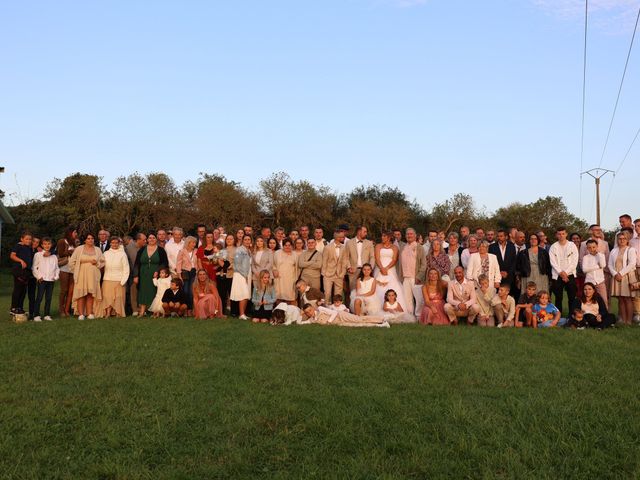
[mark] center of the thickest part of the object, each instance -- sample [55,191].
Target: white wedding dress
[391,279]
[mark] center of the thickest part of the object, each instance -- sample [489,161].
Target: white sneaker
[48,318]
[134,314]
[636,319]
[81,317]
[37,319]
[243,317]
[499,325]
[91,317]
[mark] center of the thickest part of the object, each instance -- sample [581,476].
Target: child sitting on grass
[174,300]
[545,314]
[485,295]
[577,320]
[337,304]
[504,306]
[525,304]
[393,312]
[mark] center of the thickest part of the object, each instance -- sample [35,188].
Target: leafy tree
[455,212]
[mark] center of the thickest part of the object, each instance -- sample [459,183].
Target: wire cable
[624,73]
[584,93]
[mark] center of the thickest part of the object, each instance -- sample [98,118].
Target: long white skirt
[391,283]
[240,287]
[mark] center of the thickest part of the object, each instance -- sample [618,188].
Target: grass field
[177,399]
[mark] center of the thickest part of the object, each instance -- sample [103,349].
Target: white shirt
[359,250]
[320,244]
[563,259]
[291,313]
[635,243]
[593,267]
[172,248]
[45,268]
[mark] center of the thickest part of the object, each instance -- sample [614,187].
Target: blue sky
[433,96]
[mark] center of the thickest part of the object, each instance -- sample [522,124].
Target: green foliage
[138,202]
[544,214]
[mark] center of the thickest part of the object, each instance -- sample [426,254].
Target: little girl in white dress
[363,299]
[393,312]
[162,284]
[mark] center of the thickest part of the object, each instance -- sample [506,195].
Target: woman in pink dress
[434,300]
[206,301]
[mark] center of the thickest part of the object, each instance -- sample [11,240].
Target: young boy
[577,319]
[45,272]
[504,306]
[525,303]
[22,258]
[593,265]
[174,300]
[485,294]
[337,304]
[545,314]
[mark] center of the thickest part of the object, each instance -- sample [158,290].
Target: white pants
[408,284]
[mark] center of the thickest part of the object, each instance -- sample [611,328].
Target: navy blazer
[508,263]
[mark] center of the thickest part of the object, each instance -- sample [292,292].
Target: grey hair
[177,229]
[190,239]
[454,234]
[484,243]
[410,229]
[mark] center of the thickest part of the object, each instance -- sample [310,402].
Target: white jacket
[474,269]
[628,261]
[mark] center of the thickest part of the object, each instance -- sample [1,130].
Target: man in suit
[308,294]
[103,240]
[411,267]
[318,234]
[359,252]
[461,299]
[397,237]
[310,264]
[334,266]
[505,251]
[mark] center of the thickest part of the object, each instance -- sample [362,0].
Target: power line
[620,166]
[584,93]
[615,108]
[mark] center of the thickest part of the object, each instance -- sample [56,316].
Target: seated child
[525,304]
[337,304]
[174,300]
[504,306]
[545,314]
[577,320]
[393,312]
[485,295]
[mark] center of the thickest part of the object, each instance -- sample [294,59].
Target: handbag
[63,261]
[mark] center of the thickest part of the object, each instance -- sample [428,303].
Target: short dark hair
[625,215]
[591,241]
[336,298]
[177,281]
[561,229]
[46,239]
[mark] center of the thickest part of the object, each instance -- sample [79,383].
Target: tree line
[142,202]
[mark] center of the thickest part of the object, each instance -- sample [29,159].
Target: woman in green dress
[149,261]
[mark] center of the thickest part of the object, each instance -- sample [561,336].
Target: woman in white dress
[386,254]
[363,298]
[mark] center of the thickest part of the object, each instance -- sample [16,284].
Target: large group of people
[488,278]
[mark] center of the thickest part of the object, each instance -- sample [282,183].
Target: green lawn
[178,399]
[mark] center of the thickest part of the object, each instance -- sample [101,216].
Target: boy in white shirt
[593,265]
[46,272]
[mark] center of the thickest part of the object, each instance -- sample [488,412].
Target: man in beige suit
[310,264]
[461,299]
[334,266]
[359,251]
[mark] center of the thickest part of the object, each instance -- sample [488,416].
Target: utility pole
[597,174]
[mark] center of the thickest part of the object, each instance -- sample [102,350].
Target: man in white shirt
[411,267]
[563,255]
[318,234]
[593,265]
[173,246]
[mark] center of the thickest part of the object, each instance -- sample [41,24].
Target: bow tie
[359,241]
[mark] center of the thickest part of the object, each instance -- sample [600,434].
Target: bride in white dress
[385,273]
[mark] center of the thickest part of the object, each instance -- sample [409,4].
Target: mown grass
[177,399]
